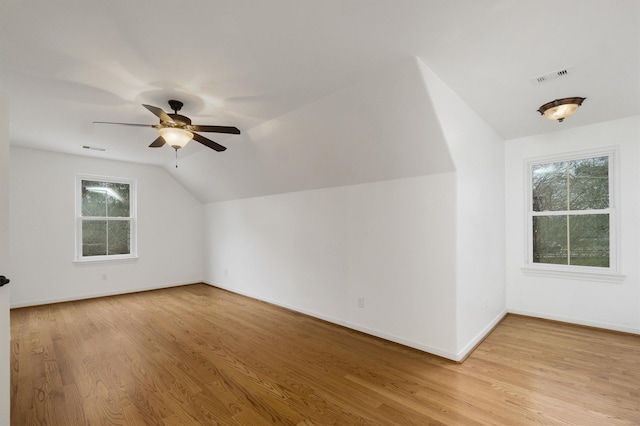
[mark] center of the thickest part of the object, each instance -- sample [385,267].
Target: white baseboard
[570,320]
[462,354]
[466,351]
[38,302]
[409,343]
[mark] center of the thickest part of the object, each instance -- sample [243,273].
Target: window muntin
[105,209]
[571,212]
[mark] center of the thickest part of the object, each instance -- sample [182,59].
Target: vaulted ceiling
[67,63]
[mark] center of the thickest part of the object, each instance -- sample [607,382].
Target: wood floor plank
[197,355]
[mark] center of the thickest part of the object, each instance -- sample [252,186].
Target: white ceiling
[67,63]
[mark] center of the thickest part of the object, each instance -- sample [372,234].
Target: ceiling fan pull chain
[176,157]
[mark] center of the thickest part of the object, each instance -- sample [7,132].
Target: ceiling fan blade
[208,142]
[217,129]
[158,112]
[124,124]
[157,143]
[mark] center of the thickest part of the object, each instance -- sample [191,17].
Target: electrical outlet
[360,302]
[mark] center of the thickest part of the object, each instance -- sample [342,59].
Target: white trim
[570,320]
[409,343]
[612,273]
[468,349]
[106,259]
[462,354]
[96,295]
[574,273]
[132,219]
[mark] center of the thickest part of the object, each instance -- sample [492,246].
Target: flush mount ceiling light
[560,108]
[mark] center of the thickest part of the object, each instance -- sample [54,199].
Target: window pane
[119,237]
[94,237]
[549,184]
[94,199]
[589,183]
[589,239]
[550,239]
[106,208]
[105,199]
[117,199]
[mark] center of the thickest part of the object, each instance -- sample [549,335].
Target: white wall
[5,292]
[387,236]
[426,253]
[478,156]
[318,251]
[614,305]
[42,232]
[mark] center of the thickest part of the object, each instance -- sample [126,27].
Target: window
[105,218]
[571,212]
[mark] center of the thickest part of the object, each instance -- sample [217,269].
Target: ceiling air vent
[551,75]
[94,148]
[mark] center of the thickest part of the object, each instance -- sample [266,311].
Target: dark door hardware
[4,280]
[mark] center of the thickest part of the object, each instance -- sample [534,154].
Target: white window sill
[105,259]
[600,276]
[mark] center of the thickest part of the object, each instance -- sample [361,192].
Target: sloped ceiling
[258,65]
[381,128]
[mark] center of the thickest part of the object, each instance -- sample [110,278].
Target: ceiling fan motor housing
[175,105]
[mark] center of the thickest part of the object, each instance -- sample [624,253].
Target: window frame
[132,219]
[577,271]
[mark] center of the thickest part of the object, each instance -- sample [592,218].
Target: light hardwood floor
[197,355]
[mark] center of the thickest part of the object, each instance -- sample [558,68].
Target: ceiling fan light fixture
[560,109]
[175,136]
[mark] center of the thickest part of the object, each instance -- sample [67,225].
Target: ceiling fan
[176,130]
